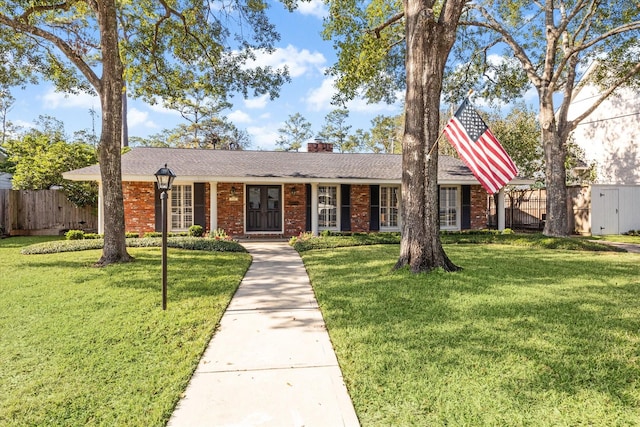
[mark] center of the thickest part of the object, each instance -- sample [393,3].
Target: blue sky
[309,93]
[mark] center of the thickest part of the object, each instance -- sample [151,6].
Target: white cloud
[298,61]
[263,137]
[136,117]
[239,117]
[315,8]
[257,103]
[319,99]
[54,100]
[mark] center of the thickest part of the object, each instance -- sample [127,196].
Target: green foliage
[370,56]
[386,134]
[191,243]
[74,235]
[519,134]
[40,156]
[307,241]
[335,131]
[219,234]
[128,235]
[196,231]
[294,133]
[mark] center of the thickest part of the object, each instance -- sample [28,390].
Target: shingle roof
[220,165]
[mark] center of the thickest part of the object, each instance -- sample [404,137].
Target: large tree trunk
[428,46]
[115,249]
[555,154]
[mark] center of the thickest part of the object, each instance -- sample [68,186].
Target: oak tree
[548,45]
[386,45]
[157,48]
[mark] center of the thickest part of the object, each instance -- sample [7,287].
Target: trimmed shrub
[132,235]
[196,231]
[74,235]
[191,243]
[93,236]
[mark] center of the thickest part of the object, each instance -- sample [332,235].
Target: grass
[523,336]
[89,346]
[620,238]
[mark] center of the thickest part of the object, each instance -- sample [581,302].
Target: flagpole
[442,131]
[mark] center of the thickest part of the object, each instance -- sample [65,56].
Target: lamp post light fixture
[164,178]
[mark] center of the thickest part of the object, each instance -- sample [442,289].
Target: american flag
[479,149]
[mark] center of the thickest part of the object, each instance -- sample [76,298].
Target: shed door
[264,211]
[609,202]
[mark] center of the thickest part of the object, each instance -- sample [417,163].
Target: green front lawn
[522,336]
[92,346]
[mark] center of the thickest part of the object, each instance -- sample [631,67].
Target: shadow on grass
[538,328]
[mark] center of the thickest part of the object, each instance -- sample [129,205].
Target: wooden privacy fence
[42,212]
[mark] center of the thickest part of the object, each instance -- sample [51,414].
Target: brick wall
[295,209]
[360,210]
[478,207]
[139,207]
[231,208]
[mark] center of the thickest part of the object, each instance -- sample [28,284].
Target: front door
[264,209]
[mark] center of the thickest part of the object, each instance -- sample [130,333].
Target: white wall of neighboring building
[610,136]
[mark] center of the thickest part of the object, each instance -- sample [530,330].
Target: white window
[181,207]
[448,207]
[389,207]
[327,207]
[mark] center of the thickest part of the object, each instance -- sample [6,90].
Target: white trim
[338,206]
[500,209]
[314,208]
[399,198]
[100,209]
[170,207]
[458,204]
[213,206]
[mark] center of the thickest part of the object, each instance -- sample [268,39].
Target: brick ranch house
[281,194]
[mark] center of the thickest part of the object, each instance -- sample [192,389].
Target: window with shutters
[327,207]
[181,207]
[449,216]
[389,207]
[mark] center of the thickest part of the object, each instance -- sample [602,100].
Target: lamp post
[164,178]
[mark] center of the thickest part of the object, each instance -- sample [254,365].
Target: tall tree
[336,131]
[295,131]
[386,134]
[383,45]
[158,48]
[548,45]
[6,103]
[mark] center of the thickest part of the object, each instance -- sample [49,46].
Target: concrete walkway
[271,362]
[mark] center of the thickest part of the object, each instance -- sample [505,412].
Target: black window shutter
[374,203]
[466,207]
[199,217]
[345,207]
[308,201]
[158,205]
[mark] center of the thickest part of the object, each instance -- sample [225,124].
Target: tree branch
[519,52]
[377,30]
[66,49]
[618,83]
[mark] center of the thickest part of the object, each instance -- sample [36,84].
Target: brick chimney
[319,146]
